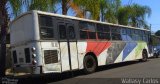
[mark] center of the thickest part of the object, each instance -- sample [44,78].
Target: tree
[123,15]
[4,25]
[21,6]
[112,10]
[138,14]
[157,33]
[64,6]
[133,15]
[103,7]
[92,6]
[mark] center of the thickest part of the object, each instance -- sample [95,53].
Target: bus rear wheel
[90,64]
[144,56]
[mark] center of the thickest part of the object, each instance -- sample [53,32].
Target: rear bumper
[27,69]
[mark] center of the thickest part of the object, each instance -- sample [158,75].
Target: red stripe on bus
[97,47]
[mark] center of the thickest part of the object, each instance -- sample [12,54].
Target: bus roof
[74,18]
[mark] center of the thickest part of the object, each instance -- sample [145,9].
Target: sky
[154,19]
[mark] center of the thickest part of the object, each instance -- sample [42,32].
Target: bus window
[106,28]
[46,21]
[71,32]
[83,34]
[46,27]
[87,30]
[46,33]
[128,31]
[100,28]
[87,26]
[62,32]
[124,31]
[116,33]
[135,31]
[116,36]
[100,35]
[107,36]
[103,31]
[92,35]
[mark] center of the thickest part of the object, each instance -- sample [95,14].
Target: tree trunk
[64,7]
[4,25]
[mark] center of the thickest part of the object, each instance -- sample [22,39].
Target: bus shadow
[49,78]
[117,65]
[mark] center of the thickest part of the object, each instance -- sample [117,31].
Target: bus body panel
[74,55]
[22,64]
[50,67]
[60,55]
[23,28]
[81,53]
[64,56]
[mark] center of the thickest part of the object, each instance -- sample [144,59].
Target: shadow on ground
[48,78]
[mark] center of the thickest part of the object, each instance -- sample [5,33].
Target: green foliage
[105,10]
[157,33]
[20,6]
[93,6]
[155,40]
[134,15]
[15,6]
[112,10]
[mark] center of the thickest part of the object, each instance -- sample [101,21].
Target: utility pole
[150,39]
[4,25]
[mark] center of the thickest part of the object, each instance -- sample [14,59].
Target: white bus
[43,42]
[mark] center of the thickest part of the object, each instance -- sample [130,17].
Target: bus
[43,42]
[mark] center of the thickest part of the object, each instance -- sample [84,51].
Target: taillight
[33,49]
[34,62]
[33,55]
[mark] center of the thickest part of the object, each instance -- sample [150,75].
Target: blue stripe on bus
[128,47]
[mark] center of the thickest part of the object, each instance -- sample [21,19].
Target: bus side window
[103,31]
[87,30]
[128,31]
[71,32]
[116,33]
[141,35]
[83,34]
[46,27]
[62,32]
[132,35]
[123,31]
[92,35]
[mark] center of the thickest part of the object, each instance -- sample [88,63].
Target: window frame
[115,33]
[51,27]
[87,30]
[105,34]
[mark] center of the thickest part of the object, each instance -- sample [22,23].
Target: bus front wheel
[90,64]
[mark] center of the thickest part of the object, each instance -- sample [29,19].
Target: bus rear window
[46,27]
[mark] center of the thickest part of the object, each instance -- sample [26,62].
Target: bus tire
[144,56]
[157,56]
[90,64]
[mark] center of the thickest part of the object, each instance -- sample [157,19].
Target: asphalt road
[110,74]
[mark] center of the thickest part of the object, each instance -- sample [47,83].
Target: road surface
[110,74]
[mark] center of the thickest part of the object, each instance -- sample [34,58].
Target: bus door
[68,46]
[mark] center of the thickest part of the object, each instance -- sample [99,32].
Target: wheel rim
[144,56]
[90,63]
